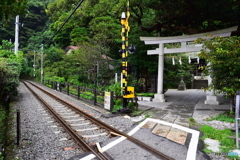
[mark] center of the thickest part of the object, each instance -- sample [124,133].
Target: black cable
[78,5]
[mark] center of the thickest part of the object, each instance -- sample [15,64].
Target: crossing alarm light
[131,49]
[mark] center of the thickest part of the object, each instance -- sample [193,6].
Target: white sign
[107,100]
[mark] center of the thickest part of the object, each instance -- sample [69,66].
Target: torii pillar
[159,97]
[185,47]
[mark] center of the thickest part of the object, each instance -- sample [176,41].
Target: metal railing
[82,93]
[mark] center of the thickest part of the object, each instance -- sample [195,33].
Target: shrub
[116,88]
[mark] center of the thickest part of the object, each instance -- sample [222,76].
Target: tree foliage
[12,8]
[176,17]
[33,24]
[95,27]
[223,56]
[10,68]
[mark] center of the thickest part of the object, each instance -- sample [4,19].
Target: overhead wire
[78,5]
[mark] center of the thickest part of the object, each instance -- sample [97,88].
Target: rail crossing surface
[167,130]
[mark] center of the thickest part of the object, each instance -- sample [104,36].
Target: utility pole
[16,35]
[42,63]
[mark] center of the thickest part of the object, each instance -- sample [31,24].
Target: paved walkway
[180,106]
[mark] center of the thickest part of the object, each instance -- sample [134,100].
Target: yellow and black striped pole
[124,59]
[127,92]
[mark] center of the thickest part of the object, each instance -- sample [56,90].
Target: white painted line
[113,143]
[90,156]
[110,145]
[192,149]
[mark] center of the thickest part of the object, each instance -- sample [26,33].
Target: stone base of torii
[211,98]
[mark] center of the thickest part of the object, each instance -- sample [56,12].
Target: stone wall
[199,84]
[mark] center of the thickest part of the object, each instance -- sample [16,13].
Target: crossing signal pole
[127,92]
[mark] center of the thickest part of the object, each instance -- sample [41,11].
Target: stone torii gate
[185,47]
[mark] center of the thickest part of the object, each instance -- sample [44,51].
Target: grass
[223,117]
[147,116]
[192,120]
[222,136]
[146,94]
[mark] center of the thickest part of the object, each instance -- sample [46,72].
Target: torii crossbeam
[185,47]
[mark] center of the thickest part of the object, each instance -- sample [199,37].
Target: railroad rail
[59,113]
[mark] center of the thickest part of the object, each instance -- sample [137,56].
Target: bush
[118,102]
[116,88]
[9,75]
[2,124]
[116,108]
[146,94]
[88,95]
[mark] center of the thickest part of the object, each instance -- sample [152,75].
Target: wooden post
[78,92]
[111,100]
[18,128]
[67,89]
[95,96]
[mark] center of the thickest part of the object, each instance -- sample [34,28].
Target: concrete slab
[149,125]
[186,115]
[212,144]
[177,136]
[161,130]
[144,107]
[182,121]
[170,117]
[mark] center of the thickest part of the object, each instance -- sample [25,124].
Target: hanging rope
[173,61]
[180,61]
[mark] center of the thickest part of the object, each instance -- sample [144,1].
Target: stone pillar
[159,97]
[211,98]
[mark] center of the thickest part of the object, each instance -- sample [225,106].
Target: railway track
[82,126]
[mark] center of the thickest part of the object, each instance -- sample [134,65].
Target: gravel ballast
[42,137]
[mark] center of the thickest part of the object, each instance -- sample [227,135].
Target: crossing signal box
[129,92]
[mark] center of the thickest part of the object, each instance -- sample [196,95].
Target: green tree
[10,68]
[32,24]
[223,56]
[170,17]
[11,8]
[98,22]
